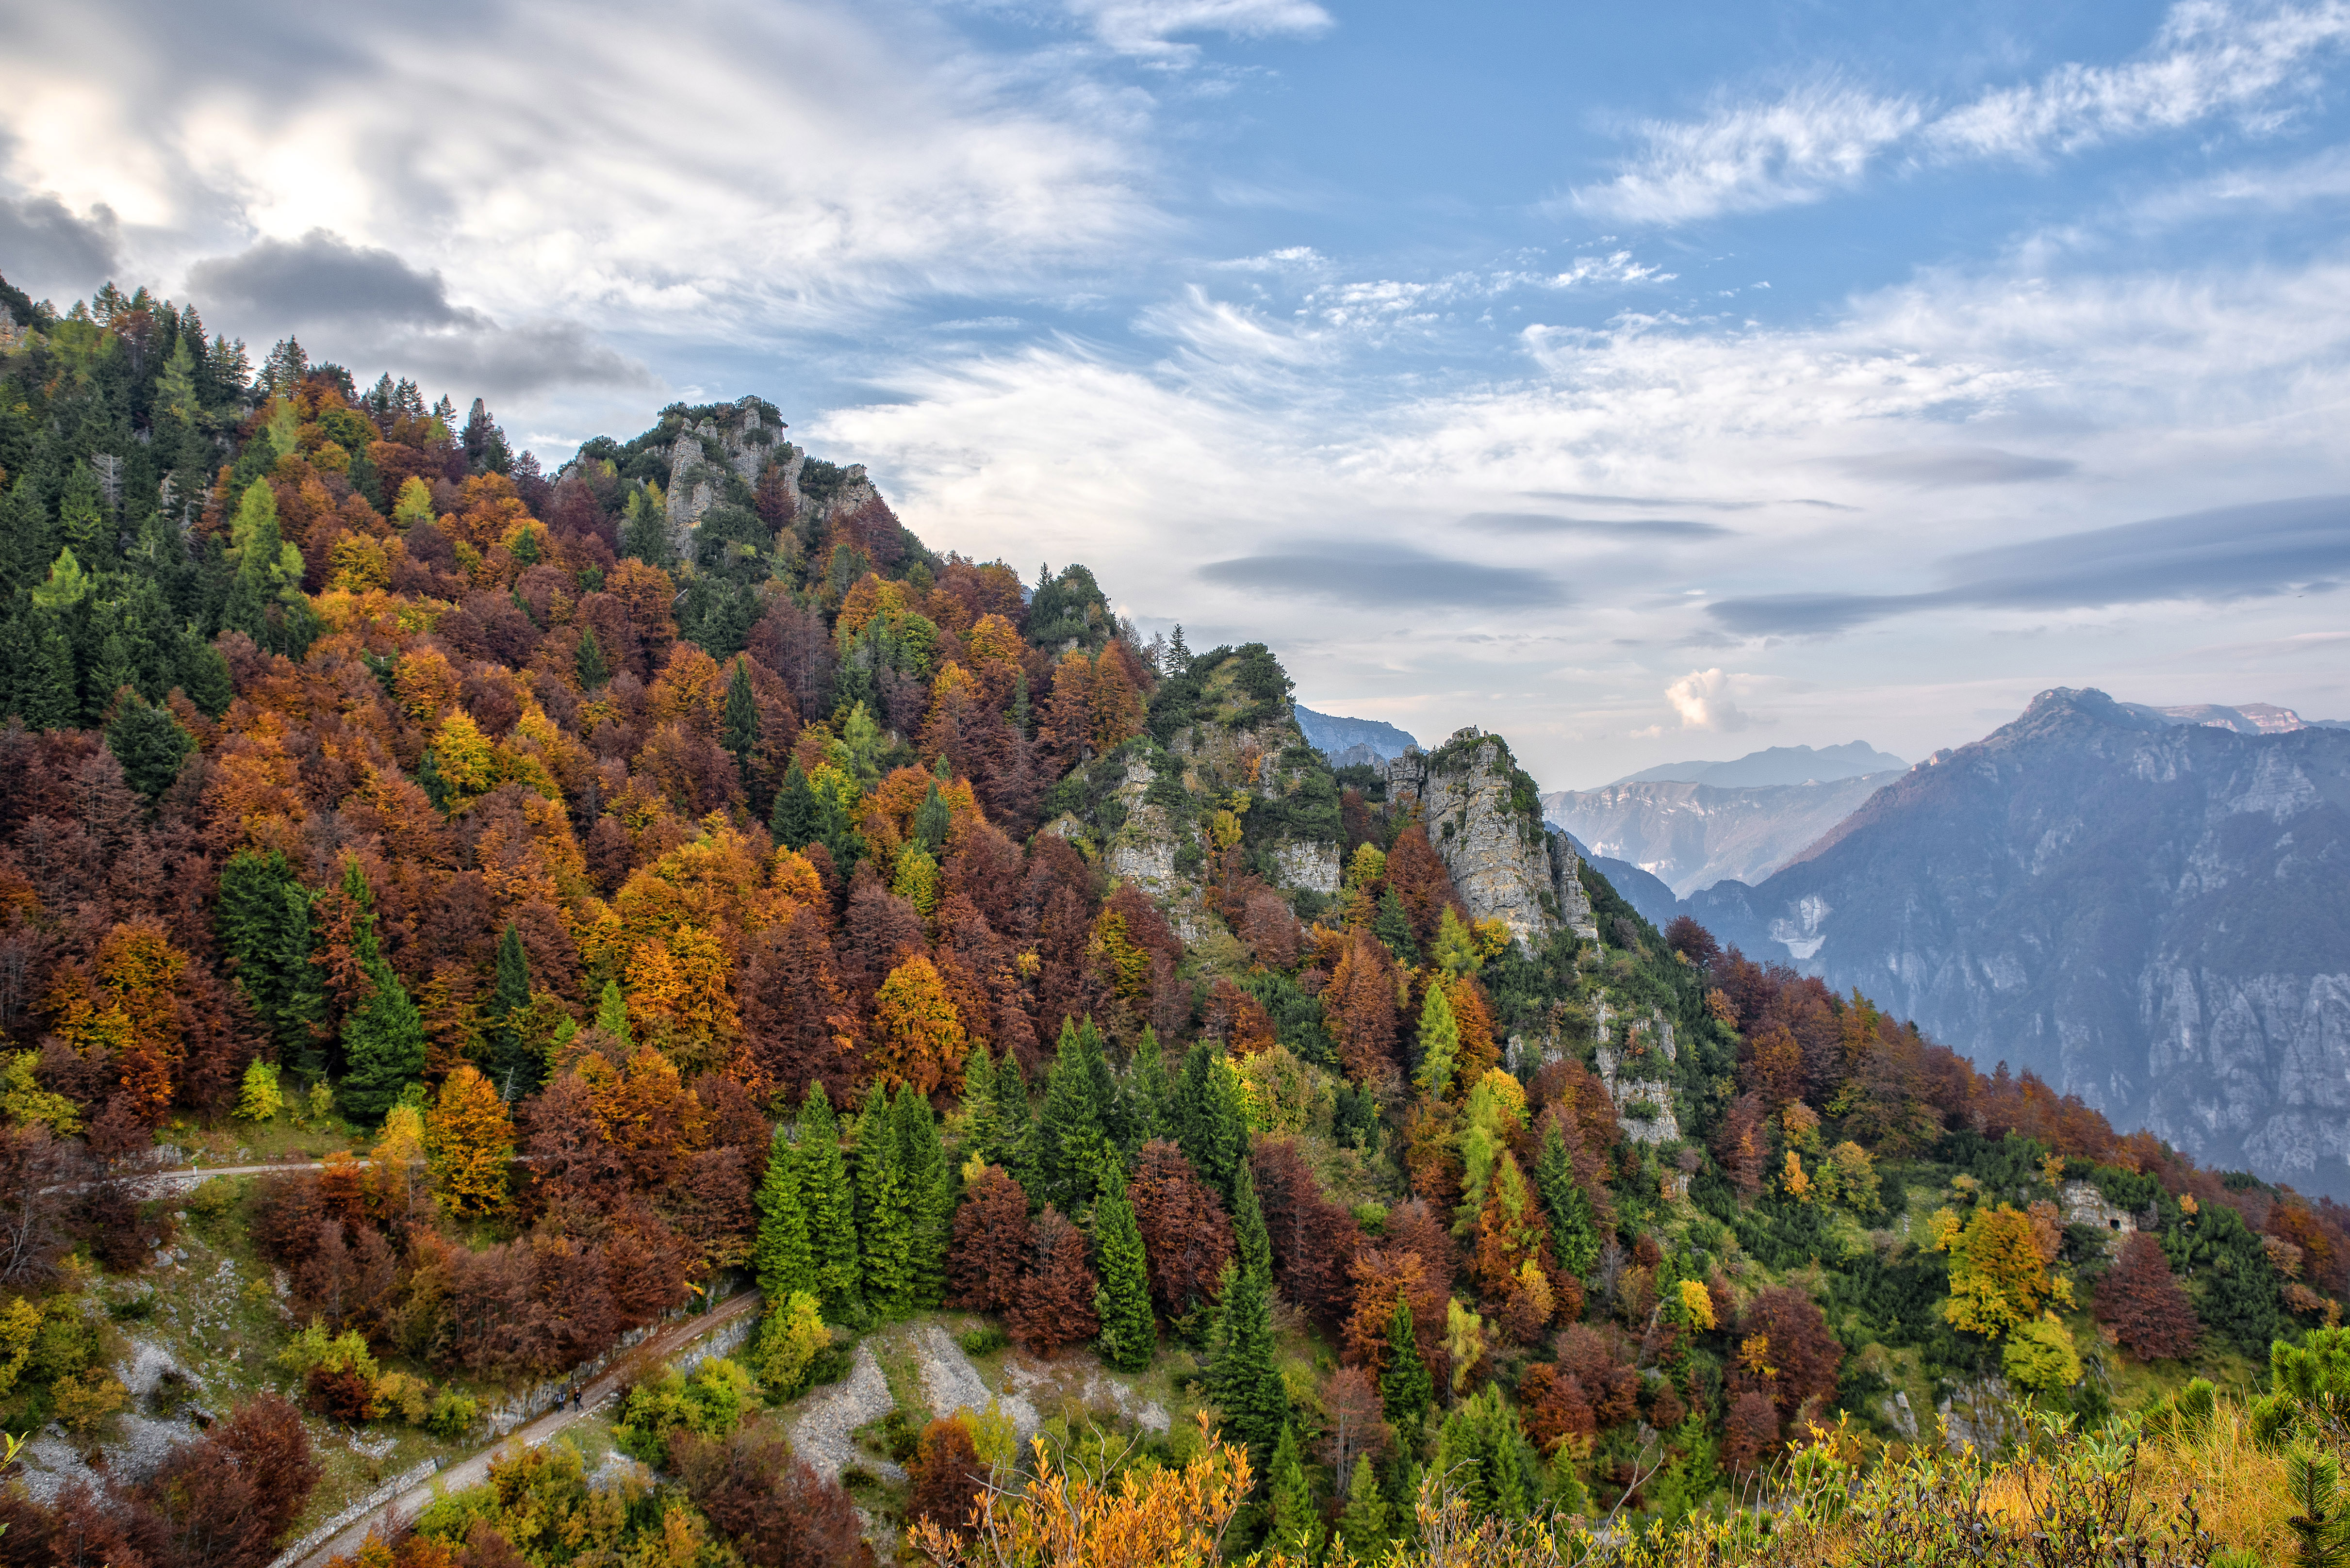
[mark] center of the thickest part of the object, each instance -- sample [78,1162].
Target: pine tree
[742,716]
[1208,1126]
[797,820]
[1363,1527]
[1574,1230]
[1245,1371]
[612,1016]
[1150,1095]
[1250,1239]
[831,1209]
[1405,1389]
[885,1219]
[1128,1330]
[150,745]
[929,1193]
[783,1256]
[1071,1142]
[1297,1530]
[511,1066]
[383,1036]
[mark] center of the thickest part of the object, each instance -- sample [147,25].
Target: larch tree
[1128,1330]
[468,1144]
[1439,1045]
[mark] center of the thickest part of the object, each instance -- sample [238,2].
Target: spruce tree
[45,693]
[512,1066]
[885,1219]
[429,780]
[1244,1373]
[1405,1389]
[1128,1330]
[1296,1531]
[594,671]
[1363,1527]
[1392,927]
[204,676]
[831,1209]
[383,1036]
[1574,1230]
[1149,1093]
[1071,1142]
[150,745]
[1250,1239]
[932,818]
[1015,1148]
[980,1119]
[783,1257]
[1206,1113]
[929,1193]
[742,716]
[797,820]
[262,919]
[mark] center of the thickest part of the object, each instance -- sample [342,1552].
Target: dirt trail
[473,1470]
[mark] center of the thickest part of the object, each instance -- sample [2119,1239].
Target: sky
[1640,382]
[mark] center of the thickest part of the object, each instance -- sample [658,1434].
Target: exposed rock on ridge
[1484,817]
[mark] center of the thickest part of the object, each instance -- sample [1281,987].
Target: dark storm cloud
[1952,467]
[2229,553]
[322,277]
[1384,577]
[1544,522]
[45,249]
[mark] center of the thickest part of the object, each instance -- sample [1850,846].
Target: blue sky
[1643,382]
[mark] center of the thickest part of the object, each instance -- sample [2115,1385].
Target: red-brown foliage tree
[1186,1236]
[1358,1008]
[2140,1301]
[991,1244]
[773,1507]
[1055,1307]
[947,1474]
[1311,1236]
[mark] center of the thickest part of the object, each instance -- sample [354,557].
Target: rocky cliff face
[1691,836]
[2153,916]
[739,446]
[1482,815]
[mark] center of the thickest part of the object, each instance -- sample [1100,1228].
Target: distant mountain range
[1776,765]
[2149,908]
[1691,825]
[1351,741]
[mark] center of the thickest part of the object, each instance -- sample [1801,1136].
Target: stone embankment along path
[473,1470]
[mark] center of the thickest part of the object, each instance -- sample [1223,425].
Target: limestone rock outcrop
[1484,817]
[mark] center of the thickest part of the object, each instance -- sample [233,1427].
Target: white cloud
[1149,28]
[2207,60]
[1703,700]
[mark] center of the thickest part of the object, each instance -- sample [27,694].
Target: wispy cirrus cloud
[1151,29]
[2207,60]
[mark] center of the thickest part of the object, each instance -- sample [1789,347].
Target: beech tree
[1187,1240]
[1056,1304]
[468,1144]
[2142,1303]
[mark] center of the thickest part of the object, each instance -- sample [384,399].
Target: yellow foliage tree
[1999,1278]
[917,1036]
[468,1141]
[468,765]
[678,998]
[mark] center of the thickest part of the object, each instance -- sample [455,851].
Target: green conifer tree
[1071,1142]
[612,1016]
[1405,1389]
[1363,1527]
[383,1036]
[150,745]
[932,819]
[831,1208]
[1208,1126]
[1296,1529]
[929,1194]
[44,692]
[81,510]
[797,820]
[742,715]
[1392,925]
[1574,1230]
[784,1256]
[513,1068]
[1150,1095]
[429,780]
[1128,1330]
[1015,1148]
[885,1219]
[204,676]
[1245,1374]
[979,1120]
[262,919]
[1249,1239]
[594,670]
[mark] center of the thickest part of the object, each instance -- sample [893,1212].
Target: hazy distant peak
[1777,765]
[1331,735]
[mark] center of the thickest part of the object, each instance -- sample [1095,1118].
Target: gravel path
[821,1435]
[475,1470]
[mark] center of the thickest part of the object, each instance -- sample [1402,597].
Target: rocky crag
[727,453]
[2153,915]
[1484,816]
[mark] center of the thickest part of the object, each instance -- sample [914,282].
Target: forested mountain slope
[669,870]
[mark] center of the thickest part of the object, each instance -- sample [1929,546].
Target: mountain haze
[1776,765]
[1691,836]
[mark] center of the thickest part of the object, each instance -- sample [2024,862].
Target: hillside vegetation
[669,870]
